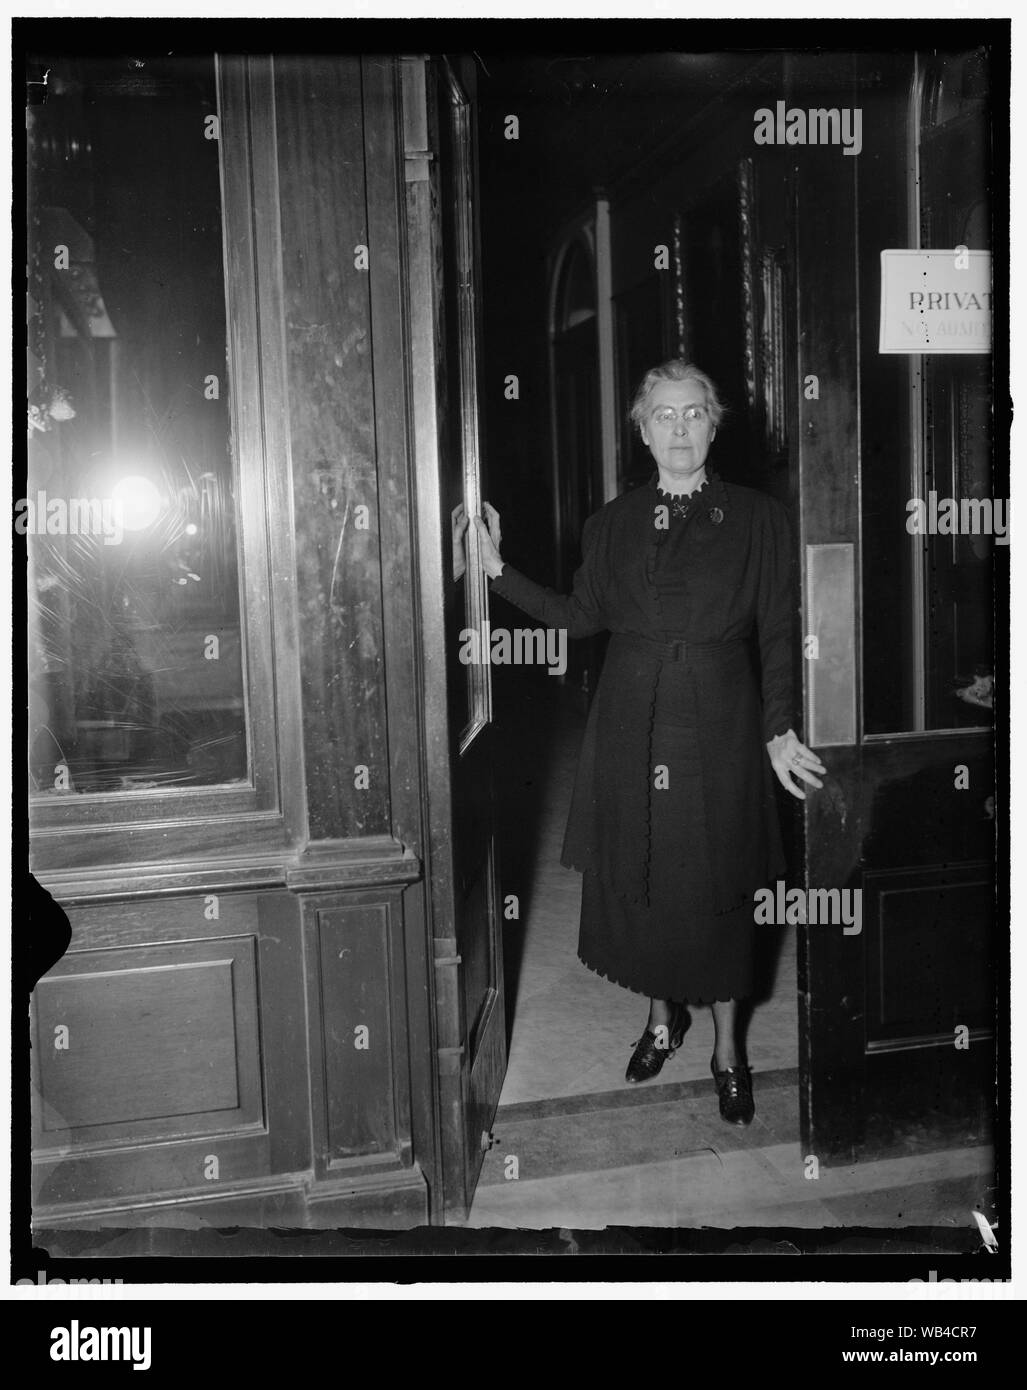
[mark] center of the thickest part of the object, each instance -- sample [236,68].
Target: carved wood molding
[677,255]
[746,193]
[369,862]
[142,1206]
[771,348]
[763,320]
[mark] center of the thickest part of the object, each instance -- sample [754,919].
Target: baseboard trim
[376,1201]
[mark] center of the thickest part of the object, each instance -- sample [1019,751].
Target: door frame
[866,1089]
[469,1053]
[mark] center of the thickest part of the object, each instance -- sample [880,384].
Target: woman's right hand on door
[490,538]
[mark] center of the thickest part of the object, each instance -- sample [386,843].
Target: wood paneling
[359,1091]
[185,1045]
[360,1080]
[136,922]
[150,1041]
[916,816]
[930,953]
[229,1036]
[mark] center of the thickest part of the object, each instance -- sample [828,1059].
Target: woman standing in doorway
[673,823]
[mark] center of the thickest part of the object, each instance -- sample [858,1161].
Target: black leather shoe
[648,1057]
[734,1091]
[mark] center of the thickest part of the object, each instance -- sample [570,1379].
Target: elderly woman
[673,822]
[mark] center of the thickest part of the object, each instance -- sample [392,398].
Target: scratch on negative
[840,804]
[338,552]
[708,1148]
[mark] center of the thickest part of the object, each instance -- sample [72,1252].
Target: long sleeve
[580,612]
[774,619]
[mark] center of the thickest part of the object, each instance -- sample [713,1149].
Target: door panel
[444,308]
[162,1041]
[897,1020]
[484,1015]
[915,928]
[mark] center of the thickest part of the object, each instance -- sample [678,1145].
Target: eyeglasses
[692,415]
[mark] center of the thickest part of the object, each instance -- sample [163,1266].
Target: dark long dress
[673,821]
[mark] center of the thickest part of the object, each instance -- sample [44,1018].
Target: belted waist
[676,651]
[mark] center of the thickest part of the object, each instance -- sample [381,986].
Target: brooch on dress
[716,515]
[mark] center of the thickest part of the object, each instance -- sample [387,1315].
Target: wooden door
[897,1017]
[443,265]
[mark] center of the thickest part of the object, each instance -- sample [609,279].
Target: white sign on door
[936,301]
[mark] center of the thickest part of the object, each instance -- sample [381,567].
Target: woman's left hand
[789,758]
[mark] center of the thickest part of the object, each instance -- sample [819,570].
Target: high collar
[696,493]
[711,497]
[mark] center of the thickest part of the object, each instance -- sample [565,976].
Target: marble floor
[660,1156]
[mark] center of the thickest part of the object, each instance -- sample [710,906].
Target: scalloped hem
[636,899]
[642,899]
[657,991]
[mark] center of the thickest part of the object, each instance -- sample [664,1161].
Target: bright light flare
[139,501]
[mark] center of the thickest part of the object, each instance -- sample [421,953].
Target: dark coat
[732,570]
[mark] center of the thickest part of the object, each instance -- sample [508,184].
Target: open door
[443,270]
[897,1014]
